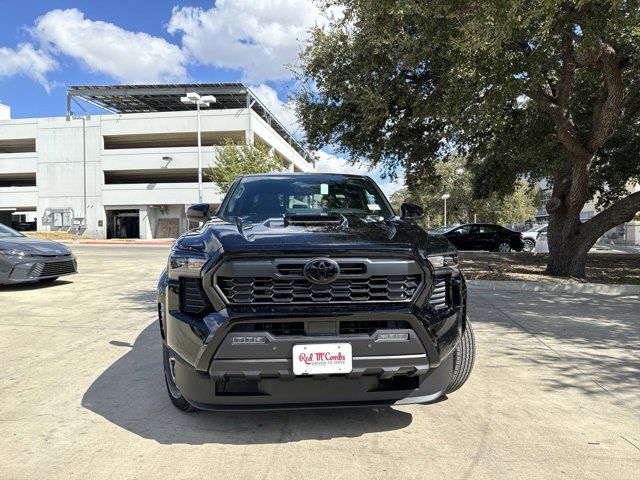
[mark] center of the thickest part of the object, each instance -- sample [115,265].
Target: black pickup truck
[306,290]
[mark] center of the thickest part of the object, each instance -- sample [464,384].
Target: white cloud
[389,188]
[129,57]
[328,163]
[283,111]
[26,60]
[259,38]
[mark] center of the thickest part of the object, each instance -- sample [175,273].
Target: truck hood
[354,234]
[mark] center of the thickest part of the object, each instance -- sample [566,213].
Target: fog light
[249,340]
[392,337]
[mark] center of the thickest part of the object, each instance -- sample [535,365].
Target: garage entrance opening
[23,219]
[123,224]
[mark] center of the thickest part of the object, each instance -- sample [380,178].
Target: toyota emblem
[321,270]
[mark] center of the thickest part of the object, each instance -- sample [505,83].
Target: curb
[120,244]
[589,288]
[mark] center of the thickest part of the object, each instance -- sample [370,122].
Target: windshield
[8,232]
[259,198]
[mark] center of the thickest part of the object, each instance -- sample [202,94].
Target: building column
[145,223]
[248,134]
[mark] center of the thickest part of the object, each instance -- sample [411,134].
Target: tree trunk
[570,240]
[568,247]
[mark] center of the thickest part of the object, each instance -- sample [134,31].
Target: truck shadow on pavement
[131,394]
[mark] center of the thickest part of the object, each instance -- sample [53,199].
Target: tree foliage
[234,159]
[536,89]
[516,207]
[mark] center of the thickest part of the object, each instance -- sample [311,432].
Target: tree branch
[606,110]
[565,85]
[622,211]
[565,128]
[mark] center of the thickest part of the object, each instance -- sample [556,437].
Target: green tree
[516,207]
[540,89]
[234,159]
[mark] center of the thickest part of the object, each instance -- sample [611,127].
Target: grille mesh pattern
[438,299]
[252,290]
[52,269]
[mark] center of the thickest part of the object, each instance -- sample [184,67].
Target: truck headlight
[442,261]
[190,261]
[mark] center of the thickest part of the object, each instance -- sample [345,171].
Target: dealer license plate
[322,358]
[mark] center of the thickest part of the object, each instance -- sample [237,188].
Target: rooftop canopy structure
[122,99]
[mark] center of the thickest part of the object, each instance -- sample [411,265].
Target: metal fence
[626,234]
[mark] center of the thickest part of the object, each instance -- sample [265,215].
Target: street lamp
[444,197]
[194,98]
[84,119]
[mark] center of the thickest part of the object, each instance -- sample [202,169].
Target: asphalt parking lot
[555,393]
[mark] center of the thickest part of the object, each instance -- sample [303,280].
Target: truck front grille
[343,327]
[250,290]
[346,268]
[265,281]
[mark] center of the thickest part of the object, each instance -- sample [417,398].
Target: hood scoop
[245,228]
[311,220]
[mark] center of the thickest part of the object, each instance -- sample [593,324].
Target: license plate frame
[322,358]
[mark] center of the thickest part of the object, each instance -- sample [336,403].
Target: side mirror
[410,211]
[201,212]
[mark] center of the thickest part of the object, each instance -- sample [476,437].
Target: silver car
[530,237]
[25,259]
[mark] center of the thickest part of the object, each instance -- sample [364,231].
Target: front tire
[463,359]
[176,397]
[529,245]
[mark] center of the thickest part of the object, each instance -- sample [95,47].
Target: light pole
[194,98]
[444,197]
[84,119]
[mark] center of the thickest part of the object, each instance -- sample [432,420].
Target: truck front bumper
[213,370]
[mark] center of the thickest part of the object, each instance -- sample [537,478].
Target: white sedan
[530,237]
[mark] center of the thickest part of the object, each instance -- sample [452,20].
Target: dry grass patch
[50,235]
[612,268]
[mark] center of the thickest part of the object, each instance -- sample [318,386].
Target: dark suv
[305,290]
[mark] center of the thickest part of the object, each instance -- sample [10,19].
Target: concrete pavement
[555,393]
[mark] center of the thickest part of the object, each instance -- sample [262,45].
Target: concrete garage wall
[58,164]
[18,163]
[18,197]
[155,214]
[157,194]
[61,168]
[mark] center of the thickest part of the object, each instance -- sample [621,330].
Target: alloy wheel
[504,247]
[529,245]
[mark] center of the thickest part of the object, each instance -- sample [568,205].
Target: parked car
[25,259]
[306,290]
[24,226]
[530,237]
[484,236]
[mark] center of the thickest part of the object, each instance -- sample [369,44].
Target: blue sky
[46,45]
